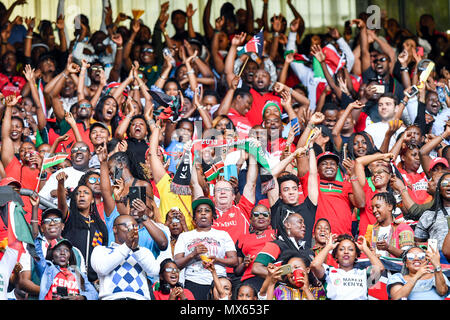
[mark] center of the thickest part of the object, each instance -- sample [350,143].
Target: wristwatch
[144,217]
[438,269]
[135,249]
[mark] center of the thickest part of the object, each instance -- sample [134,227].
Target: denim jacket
[48,271]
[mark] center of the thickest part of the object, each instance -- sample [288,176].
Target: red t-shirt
[161,296]
[65,278]
[235,220]
[29,179]
[366,216]
[65,146]
[251,244]
[333,204]
[242,123]
[254,115]
[11,86]
[417,186]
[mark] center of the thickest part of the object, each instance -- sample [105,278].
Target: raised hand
[190,11]
[317,52]
[239,39]
[220,22]
[12,100]
[295,24]
[60,22]
[29,73]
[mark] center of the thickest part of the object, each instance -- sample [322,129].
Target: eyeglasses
[81,149]
[93,180]
[384,59]
[170,270]
[411,256]
[149,50]
[219,190]
[50,220]
[265,214]
[85,105]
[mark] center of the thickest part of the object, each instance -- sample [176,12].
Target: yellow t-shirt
[169,200]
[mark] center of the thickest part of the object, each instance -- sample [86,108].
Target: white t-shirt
[378,132]
[218,243]
[346,285]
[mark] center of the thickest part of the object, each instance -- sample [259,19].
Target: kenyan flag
[51,160]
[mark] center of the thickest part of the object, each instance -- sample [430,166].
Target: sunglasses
[265,214]
[81,149]
[384,59]
[50,220]
[85,105]
[445,183]
[93,180]
[411,256]
[170,270]
[96,68]
[128,225]
[149,50]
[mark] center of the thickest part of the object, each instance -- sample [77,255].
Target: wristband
[190,72]
[119,48]
[34,221]
[162,77]
[276,34]
[404,69]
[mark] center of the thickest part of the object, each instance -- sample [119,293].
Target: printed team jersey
[418,185]
[66,279]
[346,285]
[235,220]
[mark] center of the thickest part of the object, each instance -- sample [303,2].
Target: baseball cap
[10,180]
[203,200]
[54,211]
[62,241]
[438,160]
[328,154]
[98,124]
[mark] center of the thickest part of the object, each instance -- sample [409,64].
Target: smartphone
[293,123]
[379,88]
[62,291]
[441,94]
[117,174]
[138,192]
[286,269]
[432,243]
[413,92]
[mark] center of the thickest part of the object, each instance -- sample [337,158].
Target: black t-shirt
[307,209]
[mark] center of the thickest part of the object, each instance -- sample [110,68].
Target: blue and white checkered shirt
[122,272]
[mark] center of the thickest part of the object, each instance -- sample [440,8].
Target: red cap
[436,161]
[328,154]
[8,181]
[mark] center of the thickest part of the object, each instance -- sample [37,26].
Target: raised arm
[156,165]
[62,194]
[209,31]
[336,132]
[364,42]
[7,150]
[426,149]
[30,75]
